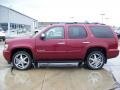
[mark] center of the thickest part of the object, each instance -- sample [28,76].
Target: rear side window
[76,32]
[102,31]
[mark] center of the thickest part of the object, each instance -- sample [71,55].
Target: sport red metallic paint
[89,43]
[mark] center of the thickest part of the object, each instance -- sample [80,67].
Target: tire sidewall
[91,53]
[23,52]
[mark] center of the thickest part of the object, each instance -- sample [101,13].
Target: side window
[76,32]
[102,31]
[55,33]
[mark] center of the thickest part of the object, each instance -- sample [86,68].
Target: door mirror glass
[42,36]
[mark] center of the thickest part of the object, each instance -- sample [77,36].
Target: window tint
[102,31]
[55,33]
[76,32]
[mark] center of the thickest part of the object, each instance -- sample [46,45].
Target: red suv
[92,44]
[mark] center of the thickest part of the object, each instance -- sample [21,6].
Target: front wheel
[95,60]
[21,60]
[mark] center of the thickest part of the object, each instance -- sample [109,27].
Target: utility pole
[8,20]
[107,20]
[102,17]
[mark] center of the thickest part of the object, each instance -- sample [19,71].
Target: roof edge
[17,12]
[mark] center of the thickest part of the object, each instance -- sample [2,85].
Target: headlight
[6,46]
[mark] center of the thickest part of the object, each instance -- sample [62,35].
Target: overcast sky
[68,10]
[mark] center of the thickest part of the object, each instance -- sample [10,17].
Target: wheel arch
[97,48]
[28,50]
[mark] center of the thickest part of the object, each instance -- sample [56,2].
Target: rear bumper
[113,53]
[7,55]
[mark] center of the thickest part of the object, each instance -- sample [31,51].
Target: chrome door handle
[61,43]
[85,42]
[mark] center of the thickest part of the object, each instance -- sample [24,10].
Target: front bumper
[7,56]
[113,53]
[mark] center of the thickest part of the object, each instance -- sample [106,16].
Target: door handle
[85,42]
[61,43]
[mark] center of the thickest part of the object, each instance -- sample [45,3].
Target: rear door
[76,41]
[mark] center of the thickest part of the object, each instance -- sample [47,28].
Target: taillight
[116,41]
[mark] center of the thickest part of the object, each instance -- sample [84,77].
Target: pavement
[60,76]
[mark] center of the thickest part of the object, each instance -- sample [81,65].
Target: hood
[19,39]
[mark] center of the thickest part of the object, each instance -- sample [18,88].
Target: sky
[68,10]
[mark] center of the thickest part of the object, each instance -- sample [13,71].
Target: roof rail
[98,23]
[84,23]
[77,23]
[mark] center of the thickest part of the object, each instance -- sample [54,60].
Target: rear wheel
[95,60]
[21,60]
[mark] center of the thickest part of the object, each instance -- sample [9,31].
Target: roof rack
[97,23]
[79,23]
[84,23]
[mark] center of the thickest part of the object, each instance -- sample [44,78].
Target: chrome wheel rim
[96,60]
[21,61]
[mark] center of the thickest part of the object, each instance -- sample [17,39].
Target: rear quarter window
[102,31]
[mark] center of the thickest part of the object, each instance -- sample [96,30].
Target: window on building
[27,27]
[4,26]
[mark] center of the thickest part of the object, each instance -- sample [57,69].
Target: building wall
[20,19]
[3,15]
[10,16]
[44,24]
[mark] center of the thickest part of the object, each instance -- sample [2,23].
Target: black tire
[3,39]
[95,60]
[22,60]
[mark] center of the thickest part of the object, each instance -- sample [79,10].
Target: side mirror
[42,37]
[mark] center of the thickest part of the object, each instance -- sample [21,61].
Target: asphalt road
[60,77]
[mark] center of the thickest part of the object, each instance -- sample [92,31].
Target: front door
[53,46]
